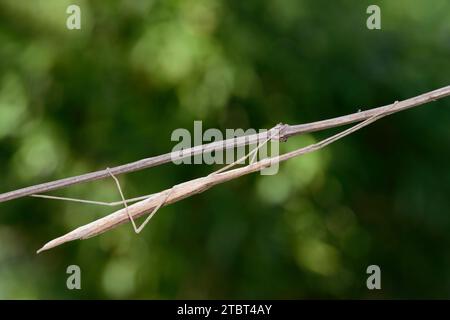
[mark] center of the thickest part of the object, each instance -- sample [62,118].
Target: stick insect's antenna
[100,203]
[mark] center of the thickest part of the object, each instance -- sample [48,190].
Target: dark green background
[78,101]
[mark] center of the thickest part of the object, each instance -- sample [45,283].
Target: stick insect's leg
[253,153]
[260,145]
[163,200]
[116,203]
[123,200]
[141,227]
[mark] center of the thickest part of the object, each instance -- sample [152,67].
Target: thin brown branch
[286,132]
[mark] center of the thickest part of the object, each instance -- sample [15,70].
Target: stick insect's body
[151,203]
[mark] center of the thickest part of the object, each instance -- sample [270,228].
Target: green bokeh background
[78,101]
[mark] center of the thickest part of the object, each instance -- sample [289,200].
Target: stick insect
[137,229]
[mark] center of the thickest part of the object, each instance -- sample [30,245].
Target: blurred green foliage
[78,101]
